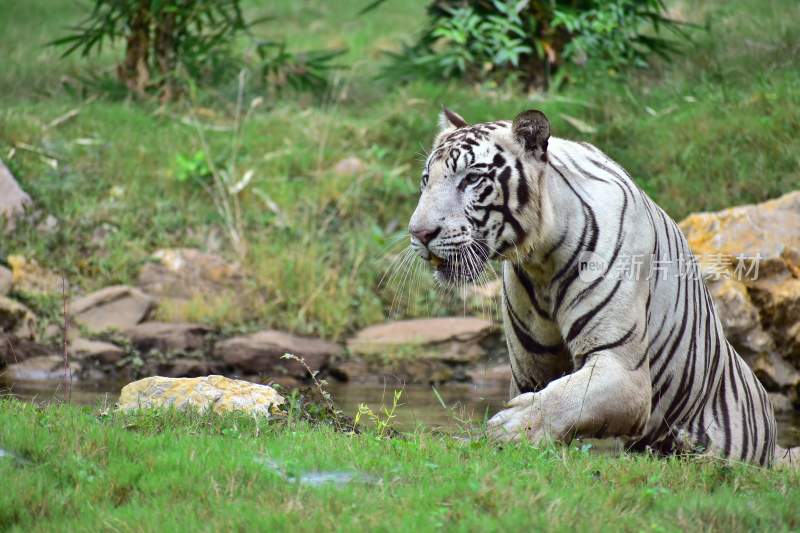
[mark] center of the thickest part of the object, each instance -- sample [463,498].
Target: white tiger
[641,356]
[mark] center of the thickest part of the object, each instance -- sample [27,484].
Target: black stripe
[523,195]
[527,284]
[624,180]
[581,321]
[555,247]
[580,170]
[526,339]
[611,345]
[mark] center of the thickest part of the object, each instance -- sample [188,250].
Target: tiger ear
[450,120]
[531,129]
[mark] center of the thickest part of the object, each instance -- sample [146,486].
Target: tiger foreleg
[602,399]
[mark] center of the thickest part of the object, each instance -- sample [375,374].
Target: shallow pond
[448,407]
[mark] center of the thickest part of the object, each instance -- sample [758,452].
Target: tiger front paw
[522,419]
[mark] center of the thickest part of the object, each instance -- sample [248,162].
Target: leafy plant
[383,419]
[280,68]
[474,39]
[169,42]
[493,41]
[336,415]
[192,167]
[610,36]
[160,36]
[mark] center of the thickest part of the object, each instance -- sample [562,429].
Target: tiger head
[479,193]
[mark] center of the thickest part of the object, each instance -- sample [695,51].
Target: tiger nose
[425,235]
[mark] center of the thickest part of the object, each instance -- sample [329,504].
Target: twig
[67,369]
[69,115]
[66,117]
[193,123]
[38,151]
[320,386]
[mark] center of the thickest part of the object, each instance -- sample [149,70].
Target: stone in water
[218,393]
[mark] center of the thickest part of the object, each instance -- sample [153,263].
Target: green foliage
[169,43]
[194,167]
[162,38]
[200,27]
[383,419]
[609,35]
[307,71]
[525,39]
[494,41]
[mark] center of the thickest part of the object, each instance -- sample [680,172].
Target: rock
[260,353]
[41,368]
[775,372]
[778,301]
[101,351]
[350,166]
[181,367]
[217,393]
[486,293]
[167,337]
[417,351]
[16,319]
[28,276]
[13,200]
[752,253]
[117,307]
[353,370]
[184,273]
[767,229]
[15,350]
[53,332]
[739,316]
[48,225]
[101,234]
[5,281]
[455,340]
[780,403]
[373,371]
[494,375]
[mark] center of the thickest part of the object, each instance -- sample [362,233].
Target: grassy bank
[715,128]
[82,469]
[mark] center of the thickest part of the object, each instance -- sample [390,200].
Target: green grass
[82,469]
[717,127]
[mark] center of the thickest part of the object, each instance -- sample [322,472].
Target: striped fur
[643,358]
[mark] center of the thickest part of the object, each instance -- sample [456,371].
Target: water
[318,478]
[418,404]
[449,407]
[104,393]
[444,407]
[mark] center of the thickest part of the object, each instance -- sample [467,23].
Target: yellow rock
[29,276]
[17,319]
[770,230]
[758,302]
[739,316]
[217,393]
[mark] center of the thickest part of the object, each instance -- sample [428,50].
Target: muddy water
[447,407]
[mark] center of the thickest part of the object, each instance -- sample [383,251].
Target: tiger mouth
[449,270]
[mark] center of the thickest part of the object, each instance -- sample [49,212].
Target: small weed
[383,420]
[335,414]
